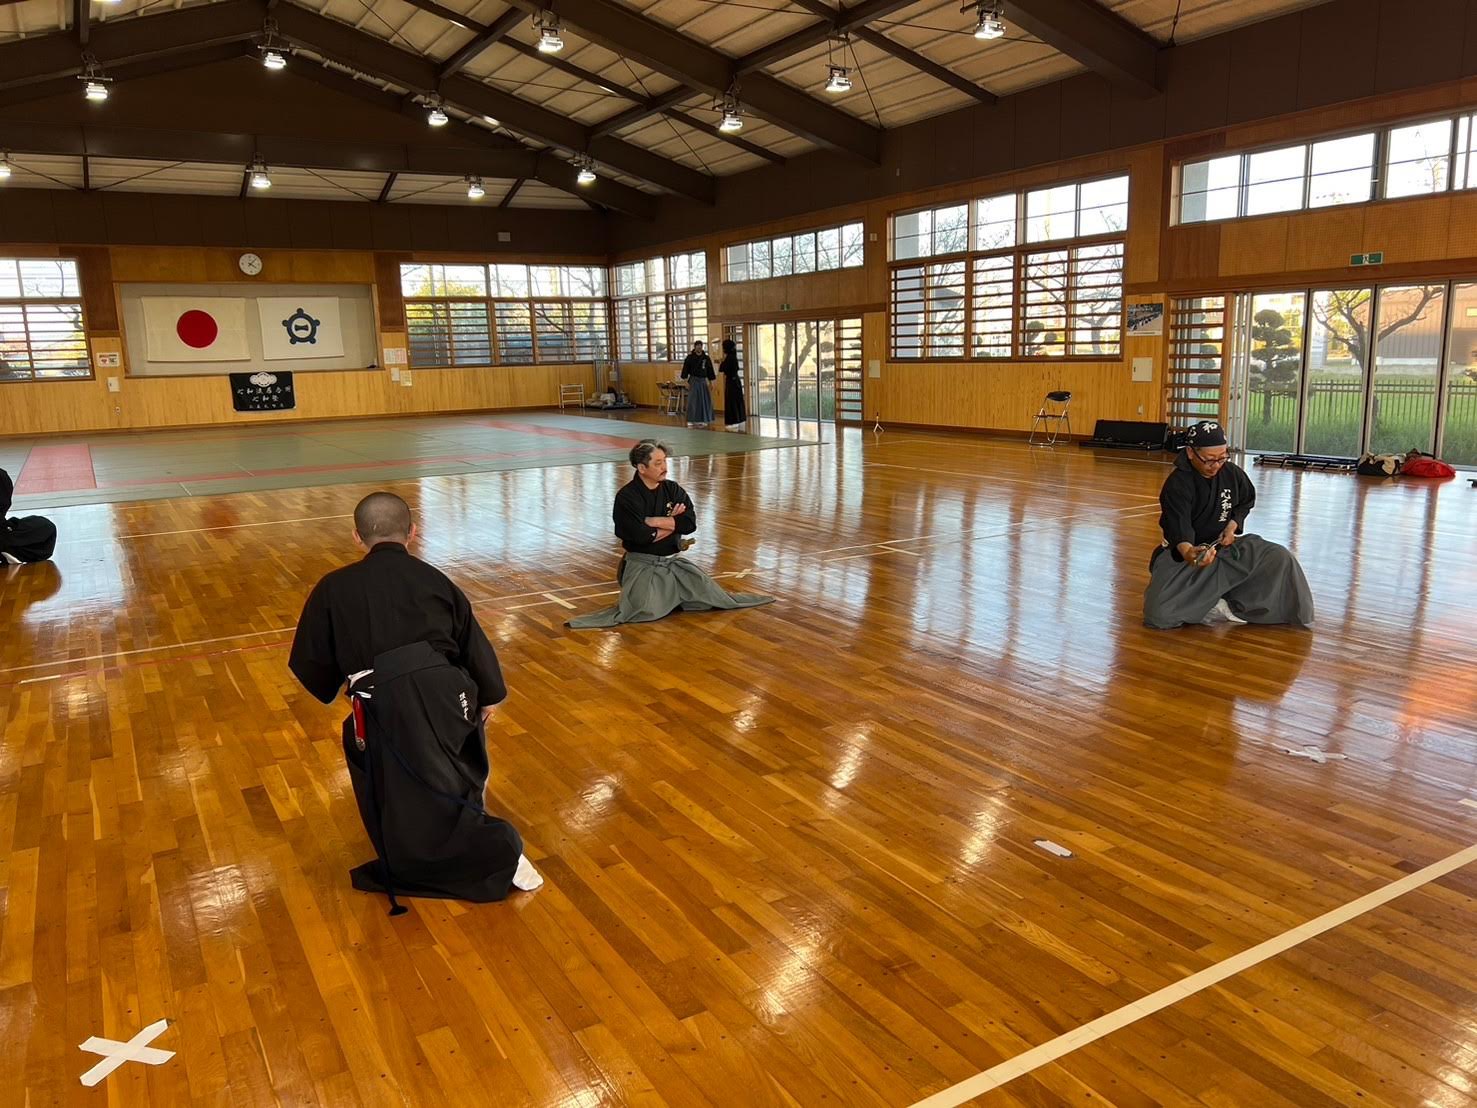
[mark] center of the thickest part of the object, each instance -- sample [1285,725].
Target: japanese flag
[195,329]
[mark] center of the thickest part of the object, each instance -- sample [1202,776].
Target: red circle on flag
[196,328]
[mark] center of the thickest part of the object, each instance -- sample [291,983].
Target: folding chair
[1052,421]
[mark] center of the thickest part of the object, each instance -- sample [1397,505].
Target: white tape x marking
[114,1053]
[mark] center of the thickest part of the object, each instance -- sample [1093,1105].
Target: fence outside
[1404,417]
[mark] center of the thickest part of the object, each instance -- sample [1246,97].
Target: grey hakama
[1260,581]
[653,586]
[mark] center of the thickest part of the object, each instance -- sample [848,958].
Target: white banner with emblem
[304,327]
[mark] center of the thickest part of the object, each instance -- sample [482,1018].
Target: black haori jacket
[1196,509]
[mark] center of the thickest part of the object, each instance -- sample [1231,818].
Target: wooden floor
[790,852]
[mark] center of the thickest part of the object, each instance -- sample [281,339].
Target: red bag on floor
[1418,464]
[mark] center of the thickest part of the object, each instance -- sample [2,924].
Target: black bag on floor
[27,539]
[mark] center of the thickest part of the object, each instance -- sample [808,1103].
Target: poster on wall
[1146,319]
[300,327]
[195,328]
[262,392]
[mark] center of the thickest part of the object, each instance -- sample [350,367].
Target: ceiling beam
[613,194]
[559,174]
[512,192]
[67,86]
[845,19]
[649,105]
[903,53]
[480,42]
[625,31]
[447,14]
[81,20]
[384,196]
[380,59]
[924,65]
[658,103]
[279,151]
[123,41]
[1086,31]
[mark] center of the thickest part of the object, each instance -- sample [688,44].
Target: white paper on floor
[1313,754]
[1053,848]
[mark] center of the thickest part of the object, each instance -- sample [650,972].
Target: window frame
[685,302]
[727,259]
[1379,166]
[1019,255]
[89,373]
[530,303]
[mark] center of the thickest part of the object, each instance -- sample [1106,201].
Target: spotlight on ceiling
[839,79]
[436,115]
[475,191]
[549,39]
[94,82]
[4,165]
[491,122]
[586,167]
[992,22]
[733,113]
[274,54]
[260,178]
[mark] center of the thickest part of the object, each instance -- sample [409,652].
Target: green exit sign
[1375,257]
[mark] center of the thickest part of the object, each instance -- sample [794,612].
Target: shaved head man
[422,678]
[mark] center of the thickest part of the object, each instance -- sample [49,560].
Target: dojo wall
[51,407]
[1425,237]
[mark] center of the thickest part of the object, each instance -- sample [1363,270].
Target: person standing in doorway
[735,412]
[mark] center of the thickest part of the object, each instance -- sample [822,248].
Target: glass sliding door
[1459,419]
[762,363]
[1407,365]
[1338,357]
[1274,372]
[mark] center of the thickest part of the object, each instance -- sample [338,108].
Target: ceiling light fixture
[94,82]
[549,40]
[992,21]
[586,167]
[274,54]
[491,122]
[839,79]
[435,114]
[475,191]
[4,164]
[260,178]
[733,113]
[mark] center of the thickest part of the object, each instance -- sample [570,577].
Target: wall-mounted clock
[251,264]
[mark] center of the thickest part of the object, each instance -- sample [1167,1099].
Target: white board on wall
[300,327]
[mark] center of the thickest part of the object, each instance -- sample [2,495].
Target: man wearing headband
[1206,568]
[653,516]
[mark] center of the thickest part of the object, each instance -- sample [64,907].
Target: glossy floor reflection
[789,852]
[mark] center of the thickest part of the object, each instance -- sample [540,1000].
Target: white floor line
[1062,1045]
[147,650]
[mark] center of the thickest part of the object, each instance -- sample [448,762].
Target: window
[42,332]
[661,307]
[800,253]
[504,314]
[1014,295]
[1409,159]
[1418,159]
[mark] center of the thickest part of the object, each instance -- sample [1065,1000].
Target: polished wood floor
[790,852]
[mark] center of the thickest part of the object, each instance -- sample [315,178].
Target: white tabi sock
[526,877]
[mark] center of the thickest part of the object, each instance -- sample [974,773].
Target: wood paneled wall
[51,407]
[60,407]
